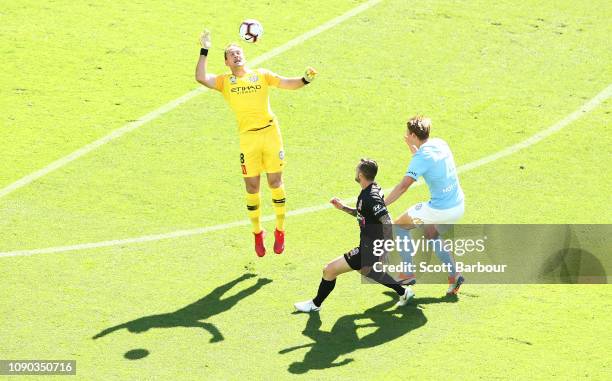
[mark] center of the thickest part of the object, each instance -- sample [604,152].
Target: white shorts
[423,214]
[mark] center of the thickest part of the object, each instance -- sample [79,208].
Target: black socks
[325,288]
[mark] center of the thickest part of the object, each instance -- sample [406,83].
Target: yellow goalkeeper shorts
[261,150]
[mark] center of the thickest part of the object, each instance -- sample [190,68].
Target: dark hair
[420,126]
[369,168]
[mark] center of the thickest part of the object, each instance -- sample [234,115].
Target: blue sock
[444,256]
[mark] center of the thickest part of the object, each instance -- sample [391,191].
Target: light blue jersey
[434,161]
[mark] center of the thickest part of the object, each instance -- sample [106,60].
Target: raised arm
[298,82]
[201,73]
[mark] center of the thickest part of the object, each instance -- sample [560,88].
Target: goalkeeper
[261,145]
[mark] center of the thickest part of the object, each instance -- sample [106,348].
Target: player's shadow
[573,265]
[193,314]
[389,322]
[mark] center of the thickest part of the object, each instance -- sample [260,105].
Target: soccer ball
[251,30]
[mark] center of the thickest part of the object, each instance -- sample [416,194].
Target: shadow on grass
[573,266]
[193,314]
[389,322]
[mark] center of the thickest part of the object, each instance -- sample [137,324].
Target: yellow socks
[278,200]
[253,201]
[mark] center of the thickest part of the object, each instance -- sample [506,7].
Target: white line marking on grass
[98,143]
[584,109]
[177,102]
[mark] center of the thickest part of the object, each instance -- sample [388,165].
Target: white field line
[584,109]
[177,102]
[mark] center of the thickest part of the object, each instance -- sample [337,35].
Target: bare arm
[349,210]
[387,226]
[291,83]
[339,205]
[399,190]
[298,82]
[201,73]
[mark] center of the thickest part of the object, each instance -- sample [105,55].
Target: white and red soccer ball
[251,30]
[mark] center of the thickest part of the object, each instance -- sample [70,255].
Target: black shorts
[361,256]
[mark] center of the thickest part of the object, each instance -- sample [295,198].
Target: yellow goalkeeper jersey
[249,97]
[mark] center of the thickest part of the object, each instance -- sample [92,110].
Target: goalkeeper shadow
[193,314]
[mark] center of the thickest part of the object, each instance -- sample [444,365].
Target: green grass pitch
[490,74]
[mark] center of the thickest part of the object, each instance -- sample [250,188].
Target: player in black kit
[374,223]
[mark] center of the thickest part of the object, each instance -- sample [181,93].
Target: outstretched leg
[328,282]
[384,279]
[326,286]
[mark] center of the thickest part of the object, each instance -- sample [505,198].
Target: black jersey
[370,207]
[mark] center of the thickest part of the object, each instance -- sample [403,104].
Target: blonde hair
[229,46]
[420,126]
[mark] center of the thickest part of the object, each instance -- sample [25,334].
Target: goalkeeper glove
[205,39]
[309,75]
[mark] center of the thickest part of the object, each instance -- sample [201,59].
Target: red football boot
[279,241]
[260,249]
